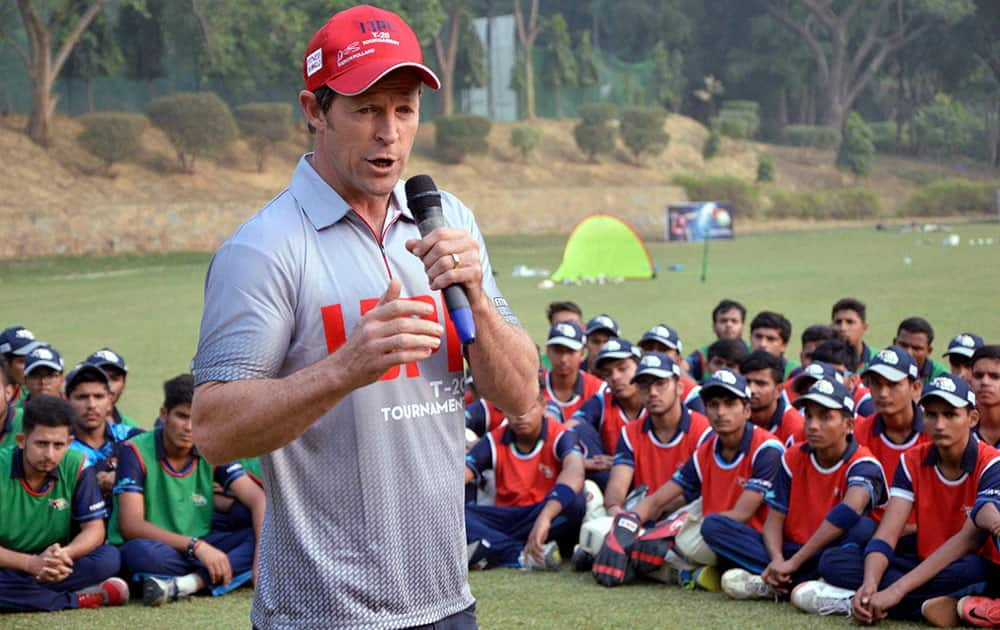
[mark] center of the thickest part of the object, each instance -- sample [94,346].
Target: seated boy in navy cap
[768,407]
[944,483]
[43,373]
[114,366]
[16,343]
[664,339]
[619,403]
[163,509]
[539,476]
[959,354]
[52,551]
[598,331]
[566,384]
[89,393]
[821,491]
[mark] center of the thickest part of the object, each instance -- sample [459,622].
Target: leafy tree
[642,131]
[765,168]
[197,123]
[630,29]
[588,74]
[560,67]
[140,38]
[96,55]
[851,41]
[446,42]
[668,79]
[471,69]
[527,139]
[528,31]
[52,33]
[711,89]
[264,125]
[943,127]
[594,134]
[713,143]
[857,149]
[112,136]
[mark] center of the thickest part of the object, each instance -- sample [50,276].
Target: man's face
[529,425]
[43,380]
[44,448]
[764,391]
[961,367]
[92,404]
[768,340]
[565,361]
[806,356]
[618,373]
[986,382]
[727,414]
[945,425]
[366,139]
[728,324]
[177,427]
[718,363]
[849,326]
[15,369]
[825,427]
[658,395]
[595,340]
[916,344]
[565,316]
[891,397]
[116,381]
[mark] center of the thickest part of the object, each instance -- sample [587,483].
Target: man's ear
[311,109]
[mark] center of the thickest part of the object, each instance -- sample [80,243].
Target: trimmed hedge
[112,136]
[712,146]
[642,131]
[527,139]
[197,123]
[747,106]
[738,119]
[460,135]
[743,195]
[811,136]
[952,197]
[845,204]
[264,125]
[598,113]
[765,168]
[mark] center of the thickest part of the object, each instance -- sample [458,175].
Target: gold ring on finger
[456,260]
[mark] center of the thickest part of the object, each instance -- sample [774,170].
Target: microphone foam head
[421,193]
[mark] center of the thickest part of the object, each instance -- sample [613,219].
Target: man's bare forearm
[503,359]
[248,418]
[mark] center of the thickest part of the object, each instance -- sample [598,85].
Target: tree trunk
[42,104]
[526,35]
[446,58]
[90,96]
[529,85]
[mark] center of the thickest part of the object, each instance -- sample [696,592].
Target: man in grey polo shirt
[325,349]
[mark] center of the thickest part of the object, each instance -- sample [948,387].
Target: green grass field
[148,309]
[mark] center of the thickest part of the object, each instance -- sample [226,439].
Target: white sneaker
[741,584]
[551,562]
[820,598]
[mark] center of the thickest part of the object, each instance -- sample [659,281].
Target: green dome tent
[604,245]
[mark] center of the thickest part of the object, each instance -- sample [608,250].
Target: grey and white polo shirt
[364,526]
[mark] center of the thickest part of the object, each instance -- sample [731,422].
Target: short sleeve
[590,411]
[778,497]
[476,419]
[88,504]
[694,401]
[131,475]
[226,474]
[624,454]
[248,317]
[868,474]
[766,463]
[689,478]
[480,458]
[902,483]
[590,440]
[566,444]
[988,489]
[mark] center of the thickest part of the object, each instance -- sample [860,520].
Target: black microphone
[424,200]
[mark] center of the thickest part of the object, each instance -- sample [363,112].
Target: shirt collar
[17,466]
[323,205]
[878,426]
[979,436]
[745,442]
[161,452]
[852,447]
[508,435]
[778,415]
[109,436]
[928,368]
[969,457]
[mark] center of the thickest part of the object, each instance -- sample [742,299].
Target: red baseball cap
[359,46]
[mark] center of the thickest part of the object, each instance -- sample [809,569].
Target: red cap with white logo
[359,46]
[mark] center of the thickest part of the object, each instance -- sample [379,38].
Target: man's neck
[665,424]
[899,426]
[827,457]
[94,438]
[564,384]
[372,209]
[176,457]
[729,444]
[527,443]
[631,405]
[859,348]
[763,417]
[989,424]
[950,459]
[34,478]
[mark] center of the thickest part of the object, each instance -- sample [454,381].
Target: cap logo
[824,387]
[913,371]
[972,398]
[848,403]
[43,353]
[612,345]
[944,384]
[888,357]
[604,321]
[314,62]
[676,370]
[662,332]
[567,330]
[966,341]
[726,377]
[814,369]
[24,333]
[107,355]
[651,362]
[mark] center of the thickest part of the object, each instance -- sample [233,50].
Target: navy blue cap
[105,357]
[657,365]
[665,335]
[616,348]
[84,368]
[813,372]
[950,388]
[602,322]
[893,363]
[832,394]
[567,334]
[46,356]
[728,380]
[965,344]
[18,340]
